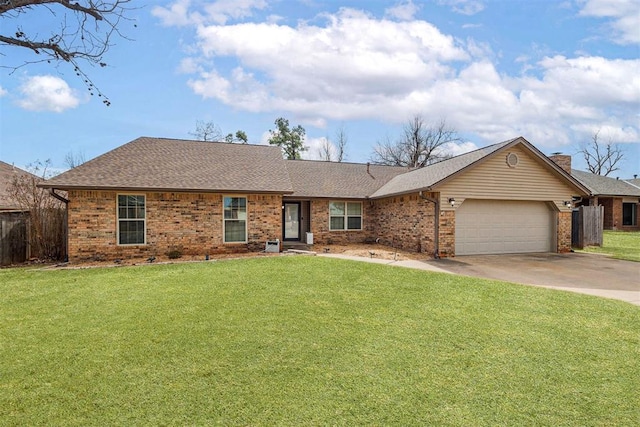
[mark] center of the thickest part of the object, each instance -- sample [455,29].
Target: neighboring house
[621,200]
[8,173]
[153,195]
[14,231]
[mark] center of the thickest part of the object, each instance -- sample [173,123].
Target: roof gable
[437,174]
[179,165]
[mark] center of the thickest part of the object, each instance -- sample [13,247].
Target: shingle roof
[7,174]
[604,185]
[341,180]
[635,182]
[428,176]
[180,165]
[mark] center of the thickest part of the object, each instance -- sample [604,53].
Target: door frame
[284,210]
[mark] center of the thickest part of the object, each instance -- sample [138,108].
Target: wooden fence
[587,224]
[14,241]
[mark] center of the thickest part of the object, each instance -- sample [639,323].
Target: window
[345,216]
[235,220]
[131,220]
[629,214]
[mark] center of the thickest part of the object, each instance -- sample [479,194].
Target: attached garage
[504,226]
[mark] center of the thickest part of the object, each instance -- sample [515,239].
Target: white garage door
[502,227]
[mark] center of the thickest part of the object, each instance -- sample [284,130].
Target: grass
[619,244]
[308,341]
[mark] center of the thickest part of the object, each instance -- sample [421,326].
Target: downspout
[52,191]
[436,222]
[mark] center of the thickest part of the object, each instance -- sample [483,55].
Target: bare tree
[325,151]
[46,215]
[83,32]
[420,145]
[210,132]
[602,159]
[341,141]
[207,131]
[334,153]
[72,160]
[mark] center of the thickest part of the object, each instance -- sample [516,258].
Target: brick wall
[608,212]
[191,222]
[562,160]
[447,234]
[564,232]
[320,225]
[406,222]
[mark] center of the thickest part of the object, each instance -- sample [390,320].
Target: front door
[291,221]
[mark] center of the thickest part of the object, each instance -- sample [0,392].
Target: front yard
[308,341]
[619,244]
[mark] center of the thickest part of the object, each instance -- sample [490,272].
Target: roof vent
[512,160]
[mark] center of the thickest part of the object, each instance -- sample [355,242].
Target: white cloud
[624,15]
[344,69]
[217,12]
[177,14]
[455,149]
[315,149]
[47,93]
[3,92]
[220,11]
[404,11]
[464,7]
[356,66]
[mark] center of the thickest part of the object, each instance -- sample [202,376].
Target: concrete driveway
[577,272]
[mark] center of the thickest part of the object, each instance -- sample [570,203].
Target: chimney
[562,160]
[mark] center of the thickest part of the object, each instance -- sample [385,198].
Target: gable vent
[512,160]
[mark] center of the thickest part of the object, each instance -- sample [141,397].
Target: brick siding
[564,232]
[190,222]
[320,225]
[406,222]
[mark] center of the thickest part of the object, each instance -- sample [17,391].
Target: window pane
[628,214]
[131,232]
[131,207]
[354,223]
[336,223]
[354,208]
[336,208]
[235,208]
[234,231]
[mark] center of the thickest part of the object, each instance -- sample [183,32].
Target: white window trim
[144,220]
[346,216]
[246,221]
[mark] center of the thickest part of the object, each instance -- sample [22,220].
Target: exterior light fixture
[567,203]
[452,201]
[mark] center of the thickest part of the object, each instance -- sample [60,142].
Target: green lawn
[619,244]
[308,341]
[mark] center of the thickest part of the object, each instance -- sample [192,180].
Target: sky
[554,72]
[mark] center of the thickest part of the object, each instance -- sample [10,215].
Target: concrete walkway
[418,265]
[582,273]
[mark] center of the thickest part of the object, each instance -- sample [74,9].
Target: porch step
[295,245]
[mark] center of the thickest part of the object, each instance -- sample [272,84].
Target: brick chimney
[562,160]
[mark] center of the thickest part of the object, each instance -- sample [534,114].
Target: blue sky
[554,72]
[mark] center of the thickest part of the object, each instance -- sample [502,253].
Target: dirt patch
[361,250]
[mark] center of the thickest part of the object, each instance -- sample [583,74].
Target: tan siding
[495,180]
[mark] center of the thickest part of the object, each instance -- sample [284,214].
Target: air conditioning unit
[272,246]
